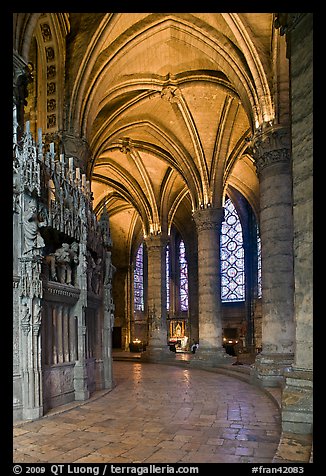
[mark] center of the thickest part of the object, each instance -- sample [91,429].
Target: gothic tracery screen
[232,256]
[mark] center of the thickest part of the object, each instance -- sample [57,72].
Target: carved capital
[271,146]
[155,242]
[208,219]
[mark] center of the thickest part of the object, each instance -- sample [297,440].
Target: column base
[99,374]
[108,382]
[32,413]
[269,368]
[297,401]
[210,357]
[81,382]
[157,354]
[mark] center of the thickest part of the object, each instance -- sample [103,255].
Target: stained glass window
[183,277]
[139,281]
[167,263]
[259,262]
[232,256]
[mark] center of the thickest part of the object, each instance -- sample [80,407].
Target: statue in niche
[25,318]
[68,221]
[62,261]
[109,270]
[66,259]
[74,255]
[16,184]
[50,260]
[96,275]
[37,318]
[90,270]
[32,236]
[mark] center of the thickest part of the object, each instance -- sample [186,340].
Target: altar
[177,335]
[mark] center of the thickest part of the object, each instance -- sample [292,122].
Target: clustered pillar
[211,352]
[157,348]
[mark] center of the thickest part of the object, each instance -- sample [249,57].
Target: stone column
[108,322]
[30,343]
[157,348]
[272,154]
[108,304]
[66,334]
[72,338]
[59,309]
[210,352]
[297,396]
[193,291]
[80,370]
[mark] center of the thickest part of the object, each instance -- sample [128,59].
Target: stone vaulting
[132,131]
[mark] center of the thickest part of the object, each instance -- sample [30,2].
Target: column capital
[156,241]
[271,146]
[208,218]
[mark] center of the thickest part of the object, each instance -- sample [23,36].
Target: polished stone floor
[157,414]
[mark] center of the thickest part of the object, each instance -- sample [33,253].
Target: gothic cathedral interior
[162,200]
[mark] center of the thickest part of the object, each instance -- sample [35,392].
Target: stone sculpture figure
[50,259]
[62,260]
[25,319]
[32,237]
[90,269]
[96,276]
[66,260]
[74,256]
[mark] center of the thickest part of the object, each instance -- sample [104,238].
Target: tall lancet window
[139,280]
[232,256]
[183,277]
[258,263]
[167,264]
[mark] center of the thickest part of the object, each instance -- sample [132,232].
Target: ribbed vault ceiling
[167,103]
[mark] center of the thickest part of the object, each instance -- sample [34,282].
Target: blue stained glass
[232,256]
[167,261]
[139,280]
[183,277]
[259,263]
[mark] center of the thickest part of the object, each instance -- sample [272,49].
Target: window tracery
[139,280]
[232,256]
[183,277]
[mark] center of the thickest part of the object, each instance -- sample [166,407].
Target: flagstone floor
[157,414]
